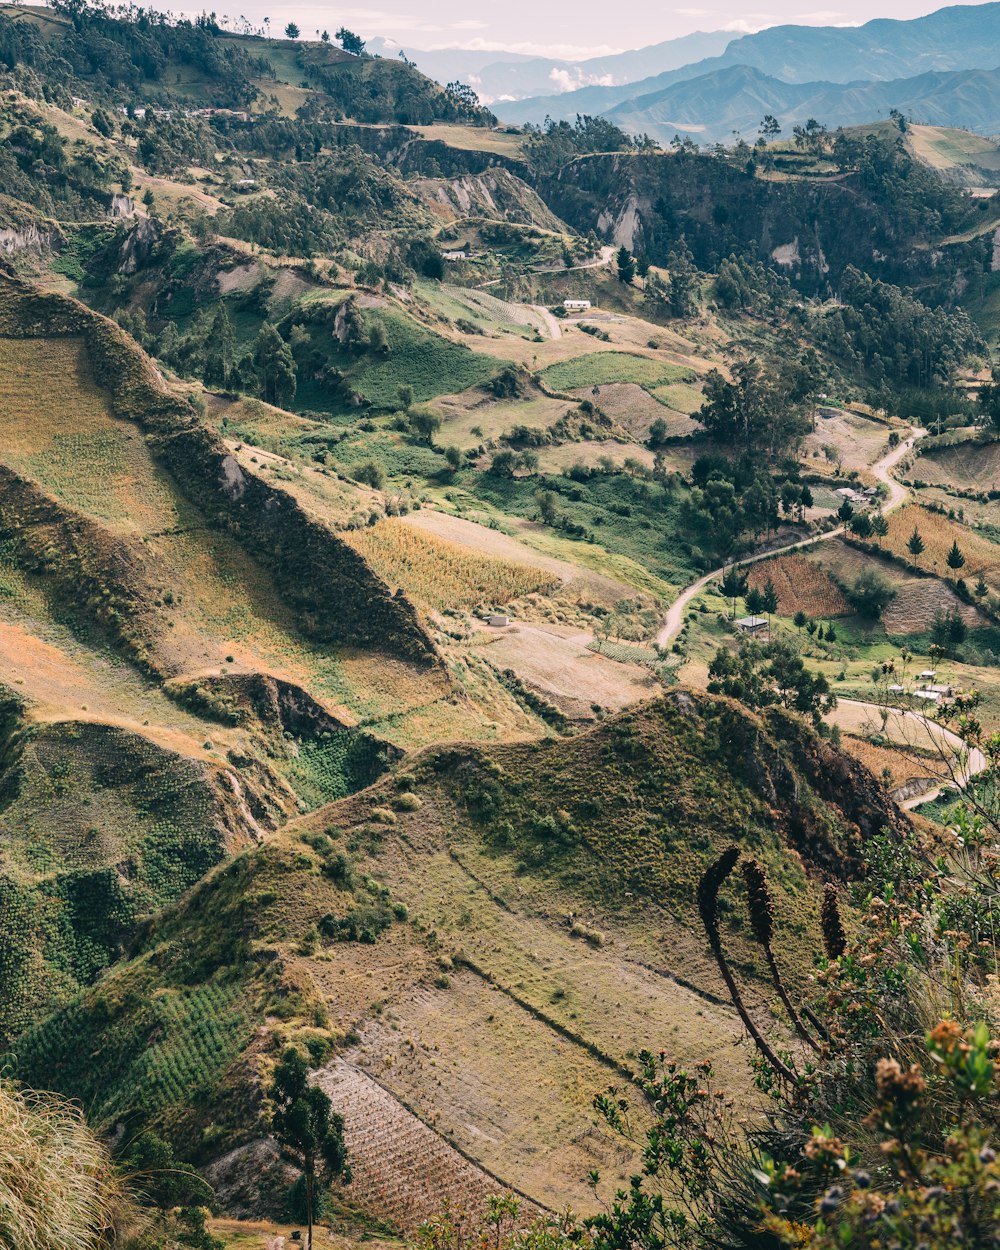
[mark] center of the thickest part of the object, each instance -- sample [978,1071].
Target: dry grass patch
[592,454]
[56,426]
[437,574]
[521,1104]
[918,602]
[556,660]
[802,587]
[849,439]
[893,767]
[635,409]
[969,466]
[938,534]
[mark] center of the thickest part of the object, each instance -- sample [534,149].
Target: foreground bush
[58,1189]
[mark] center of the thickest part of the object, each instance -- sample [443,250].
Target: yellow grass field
[438,574]
[802,587]
[973,466]
[56,427]
[895,766]
[938,534]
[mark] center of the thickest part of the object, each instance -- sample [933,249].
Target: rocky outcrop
[14,242]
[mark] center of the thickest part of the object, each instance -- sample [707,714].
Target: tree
[845,511]
[948,631]
[547,509]
[274,365]
[325,36]
[658,432]
[871,594]
[981,587]
[734,584]
[220,357]
[162,1179]
[504,463]
[770,127]
[769,600]
[800,619]
[426,423]
[291,31]
[453,456]
[370,472]
[860,525]
[754,601]
[683,287]
[351,42]
[915,544]
[989,400]
[378,339]
[404,393]
[879,524]
[760,409]
[956,558]
[626,265]
[308,1131]
[763,674]
[812,136]
[103,122]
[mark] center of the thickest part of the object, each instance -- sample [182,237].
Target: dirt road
[898,495]
[915,730]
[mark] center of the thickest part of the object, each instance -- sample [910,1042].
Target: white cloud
[551,51]
[563,80]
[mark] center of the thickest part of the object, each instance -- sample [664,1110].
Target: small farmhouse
[576,305]
[753,625]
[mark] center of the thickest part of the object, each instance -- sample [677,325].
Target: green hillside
[480,609]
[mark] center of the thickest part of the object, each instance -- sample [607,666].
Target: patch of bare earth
[920,601]
[596,586]
[555,660]
[635,410]
[403,1171]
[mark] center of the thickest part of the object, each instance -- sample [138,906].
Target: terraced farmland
[439,574]
[801,586]
[938,534]
[600,368]
[969,466]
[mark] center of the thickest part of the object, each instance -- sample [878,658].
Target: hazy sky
[558,28]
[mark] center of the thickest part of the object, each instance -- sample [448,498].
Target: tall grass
[439,574]
[58,1189]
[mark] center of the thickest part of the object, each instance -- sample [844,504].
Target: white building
[576,305]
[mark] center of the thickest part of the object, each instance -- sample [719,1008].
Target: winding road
[898,495]
[967,762]
[937,735]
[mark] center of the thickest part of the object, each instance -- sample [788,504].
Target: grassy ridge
[637,806]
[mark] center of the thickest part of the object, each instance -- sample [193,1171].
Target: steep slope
[202,65]
[813,228]
[344,601]
[175,687]
[540,896]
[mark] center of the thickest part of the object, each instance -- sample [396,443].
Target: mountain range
[711,108]
[917,56]
[508,76]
